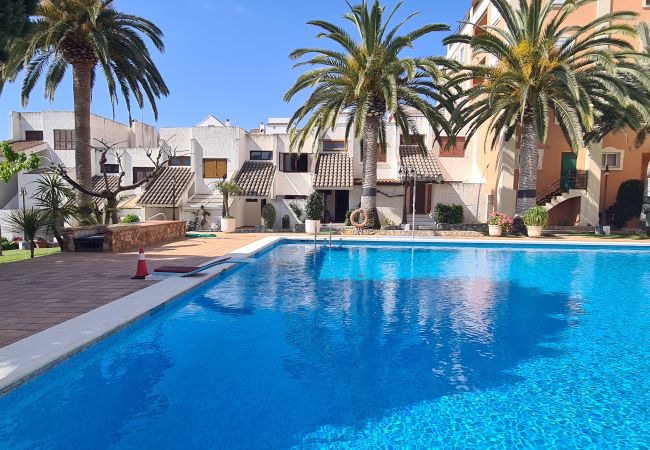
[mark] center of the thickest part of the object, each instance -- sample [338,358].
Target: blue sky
[229,58]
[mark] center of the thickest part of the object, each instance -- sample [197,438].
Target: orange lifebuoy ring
[355,214]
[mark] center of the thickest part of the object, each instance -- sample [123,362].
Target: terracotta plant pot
[495,230]
[228,225]
[534,231]
[312,226]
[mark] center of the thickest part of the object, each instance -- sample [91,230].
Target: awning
[255,178]
[425,165]
[333,171]
[160,191]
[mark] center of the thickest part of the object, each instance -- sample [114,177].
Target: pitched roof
[99,185]
[333,170]
[426,166]
[255,178]
[160,192]
[21,146]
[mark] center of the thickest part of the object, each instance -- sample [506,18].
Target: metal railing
[574,180]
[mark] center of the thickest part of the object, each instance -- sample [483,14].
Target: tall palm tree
[365,79]
[540,63]
[636,116]
[84,35]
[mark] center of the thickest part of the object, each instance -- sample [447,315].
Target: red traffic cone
[141,273]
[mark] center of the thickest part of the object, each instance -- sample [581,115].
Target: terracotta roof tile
[159,191]
[99,184]
[333,170]
[255,178]
[426,166]
[21,146]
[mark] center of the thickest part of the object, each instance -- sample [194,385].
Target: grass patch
[9,256]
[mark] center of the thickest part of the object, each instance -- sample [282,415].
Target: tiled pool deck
[37,294]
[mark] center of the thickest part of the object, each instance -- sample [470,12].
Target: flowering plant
[504,220]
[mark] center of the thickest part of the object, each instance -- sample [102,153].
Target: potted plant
[313,213]
[535,220]
[499,223]
[226,188]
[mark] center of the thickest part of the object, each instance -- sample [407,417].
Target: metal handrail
[574,180]
[156,215]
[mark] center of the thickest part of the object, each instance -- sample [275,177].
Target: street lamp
[174,198]
[405,174]
[603,215]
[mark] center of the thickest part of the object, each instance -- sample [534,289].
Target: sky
[229,58]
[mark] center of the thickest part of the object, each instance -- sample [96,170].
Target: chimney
[262,127]
[227,122]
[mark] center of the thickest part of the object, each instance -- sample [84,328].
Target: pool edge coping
[35,354]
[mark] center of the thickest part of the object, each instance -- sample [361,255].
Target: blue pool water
[364,347]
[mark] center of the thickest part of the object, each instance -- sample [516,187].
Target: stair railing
[574,180]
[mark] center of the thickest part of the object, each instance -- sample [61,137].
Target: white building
[259,160]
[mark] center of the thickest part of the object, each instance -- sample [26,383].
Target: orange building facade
[570,185]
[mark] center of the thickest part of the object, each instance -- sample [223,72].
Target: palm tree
[58,200]
[539,63]
[84,35]
[29,222]
[636,116]
[14,20]
[365,79]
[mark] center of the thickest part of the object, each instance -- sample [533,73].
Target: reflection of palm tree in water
[352,360]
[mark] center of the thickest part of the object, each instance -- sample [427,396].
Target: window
[381,155]
[110,168]
[333,146]
[180,161]
[293,162]
[611,159]
[33,135]
[461,55]
[215,168]
[457,151]
[257,155]
[140,173]
[558,2]
[63,139]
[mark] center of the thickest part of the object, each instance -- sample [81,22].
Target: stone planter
[495,230]
[312,226]
[534,231]
[228,225]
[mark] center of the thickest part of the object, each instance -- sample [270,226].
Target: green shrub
[268,216]
[451,214]
[629,201]
[297,210]
[7,245]
[536,217]
[286,222]
[131,218]
[518,226]
[348,213]
[314,207]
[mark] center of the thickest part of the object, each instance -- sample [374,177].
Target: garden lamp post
[403,177]
[405,174]
[603,214]
[173,198]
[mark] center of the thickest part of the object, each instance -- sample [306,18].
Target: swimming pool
[364,346]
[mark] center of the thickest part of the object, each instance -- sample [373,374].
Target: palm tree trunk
[32,244]
[82,85]
[527,188]
[369,182]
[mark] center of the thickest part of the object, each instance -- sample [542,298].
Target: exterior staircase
[423,222]
[567,187]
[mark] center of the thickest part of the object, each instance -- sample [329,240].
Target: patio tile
[50,290]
